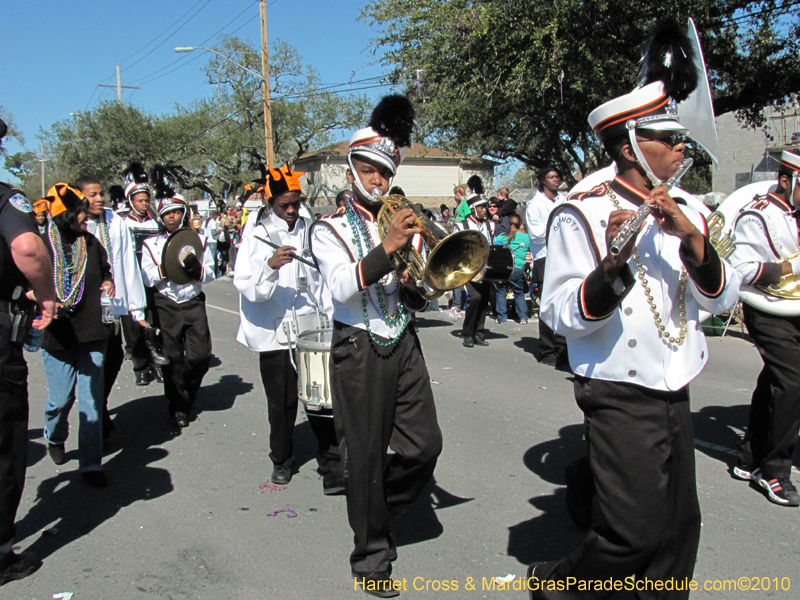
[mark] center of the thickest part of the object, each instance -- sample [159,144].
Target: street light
[264,88]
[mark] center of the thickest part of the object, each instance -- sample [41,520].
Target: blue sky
[55,53]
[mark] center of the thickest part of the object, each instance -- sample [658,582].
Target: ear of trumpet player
[631,227]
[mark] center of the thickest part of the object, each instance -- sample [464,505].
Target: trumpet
[631,227]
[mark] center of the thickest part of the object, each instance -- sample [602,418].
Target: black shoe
[281,474]
[743,471]
[181,420]
[579,494]
[158,373]
[548,359]
[96,479]
[531,569]
[332,485]
[480,342]
[155,354]
[56,453]
[144,378]
[468,342]
[25,564]
[378,583]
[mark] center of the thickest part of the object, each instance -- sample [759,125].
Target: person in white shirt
[474,329]
[631,320]
[382,396]
[552,347]
[275,289]
[116,239]
[765,235]
[211,231]
[181,308]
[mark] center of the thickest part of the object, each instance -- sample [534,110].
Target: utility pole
[265,83]
[119,86]
[42,160]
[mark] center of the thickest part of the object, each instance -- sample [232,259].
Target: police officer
[24,262]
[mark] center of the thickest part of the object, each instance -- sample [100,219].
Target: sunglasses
[672,139]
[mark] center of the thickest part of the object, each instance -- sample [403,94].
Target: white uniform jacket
[610,329]
[129,296]
[335,248]
[537,215]
[485,227]
[151,270]
[764,232]
[265,295]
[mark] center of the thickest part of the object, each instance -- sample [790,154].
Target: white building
[427,175]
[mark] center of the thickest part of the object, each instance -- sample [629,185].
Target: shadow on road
[550,534]
[420,522]
[70,508]
[529,345]
[220,395]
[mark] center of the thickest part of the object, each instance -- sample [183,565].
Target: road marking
[233,312]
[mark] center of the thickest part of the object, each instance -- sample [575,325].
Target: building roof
[418,151]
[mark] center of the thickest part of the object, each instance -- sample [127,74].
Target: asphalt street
[185,516]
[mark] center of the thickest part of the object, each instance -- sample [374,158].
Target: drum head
[179,244]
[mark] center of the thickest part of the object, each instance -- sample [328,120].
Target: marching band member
[129,298]
[382,396]
[181,309]
[275,288]
[552,347]
[474,328]
[766,238]
[140,343]
[634,346]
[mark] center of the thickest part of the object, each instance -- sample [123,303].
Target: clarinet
[631,226]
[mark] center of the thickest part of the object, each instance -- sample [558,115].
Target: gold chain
[662,330]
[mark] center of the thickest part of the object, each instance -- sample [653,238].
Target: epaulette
[595,192]
[337,213]
[759,203]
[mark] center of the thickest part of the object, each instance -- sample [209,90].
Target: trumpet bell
[788,288]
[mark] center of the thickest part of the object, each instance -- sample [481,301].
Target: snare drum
[499,265]
[313,369]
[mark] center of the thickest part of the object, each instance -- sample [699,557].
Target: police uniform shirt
[610,329]
[129,296]
[16,218]
[764,232]
[267,295]
[537,213]
[151,270]
[335,247]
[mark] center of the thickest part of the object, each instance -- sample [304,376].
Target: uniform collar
[284,226]
[627,191]
[779,202]
[367,214]
[474,220]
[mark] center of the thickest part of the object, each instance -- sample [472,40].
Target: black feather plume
[135,173]
[163,182]
[669,57]
[116,194]
[475,184]
[394,118]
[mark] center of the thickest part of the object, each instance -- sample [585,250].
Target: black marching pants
[13,435]
[477,307]
[280,386]
[381,402]
[774,419]
[549,341]
[641,449]
[187,343]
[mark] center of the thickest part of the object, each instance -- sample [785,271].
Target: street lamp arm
[190,48]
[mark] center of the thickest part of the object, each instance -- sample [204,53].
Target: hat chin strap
[631,125]
[376,193]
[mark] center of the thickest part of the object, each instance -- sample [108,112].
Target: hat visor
[667,125]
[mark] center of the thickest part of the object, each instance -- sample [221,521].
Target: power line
[160,34]
[172,34]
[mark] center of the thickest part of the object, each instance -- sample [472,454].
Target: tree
[517,79]
[13,131]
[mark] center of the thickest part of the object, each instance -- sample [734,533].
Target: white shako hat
[668,75]
[386,138]
[476,196]
[135,180]
[166,205]
[789,163]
